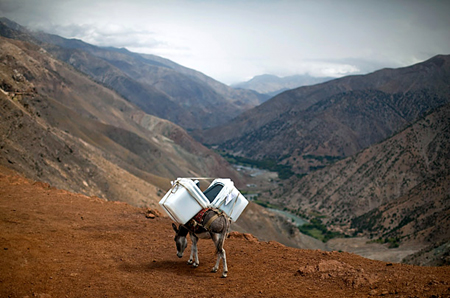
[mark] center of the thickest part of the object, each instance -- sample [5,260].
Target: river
[298,220]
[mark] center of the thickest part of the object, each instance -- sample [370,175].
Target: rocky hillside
[158,86]
[273,85]
[398,189]
[59,244]
[309,126]
[61,127]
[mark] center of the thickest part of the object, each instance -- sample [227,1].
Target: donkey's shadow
[177,266]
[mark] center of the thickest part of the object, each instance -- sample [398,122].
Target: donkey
[216,228]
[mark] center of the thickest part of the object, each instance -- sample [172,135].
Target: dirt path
[57,244]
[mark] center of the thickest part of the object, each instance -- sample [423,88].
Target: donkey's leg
[194,251]
[224,263]
[224,235]
[215,238]
[221,255]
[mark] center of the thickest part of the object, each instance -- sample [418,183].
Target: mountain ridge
[92,129]
[406,93]
[184,96]
[65,129]
[71,131]
[273,85]
[397,189]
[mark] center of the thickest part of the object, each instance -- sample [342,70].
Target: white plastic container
[184,200]
[229,199]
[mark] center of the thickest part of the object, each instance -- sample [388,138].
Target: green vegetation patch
[323,158]
[394,242]
[318,230]
[284,171]
[265,204]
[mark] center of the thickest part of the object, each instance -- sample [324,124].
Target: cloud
[233,40]
[107,34]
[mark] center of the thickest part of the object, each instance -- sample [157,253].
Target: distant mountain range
[272,85]
[386,167]
[158,86]
[309,126]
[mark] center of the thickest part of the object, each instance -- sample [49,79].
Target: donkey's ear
[175,228]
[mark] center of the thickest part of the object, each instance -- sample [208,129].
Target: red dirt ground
[58,244]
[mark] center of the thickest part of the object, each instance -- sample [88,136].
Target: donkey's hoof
[224,276]
[195,265]
[189,262]
[214,270]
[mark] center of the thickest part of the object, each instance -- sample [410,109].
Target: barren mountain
[307,126]
[61,127]
[59,244]
[158,86]
[397,189]
[273,85]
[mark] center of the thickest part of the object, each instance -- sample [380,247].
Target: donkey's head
[180,239]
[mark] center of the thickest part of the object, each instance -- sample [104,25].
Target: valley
[364,159]
[262,181]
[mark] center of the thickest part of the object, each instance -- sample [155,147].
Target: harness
[196,223]
[199,216]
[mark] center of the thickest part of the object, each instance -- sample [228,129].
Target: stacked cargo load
[185,199]
[228,198]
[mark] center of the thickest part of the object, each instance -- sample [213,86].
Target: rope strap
[210,221]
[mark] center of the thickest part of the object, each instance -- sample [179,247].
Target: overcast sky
[233,41]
